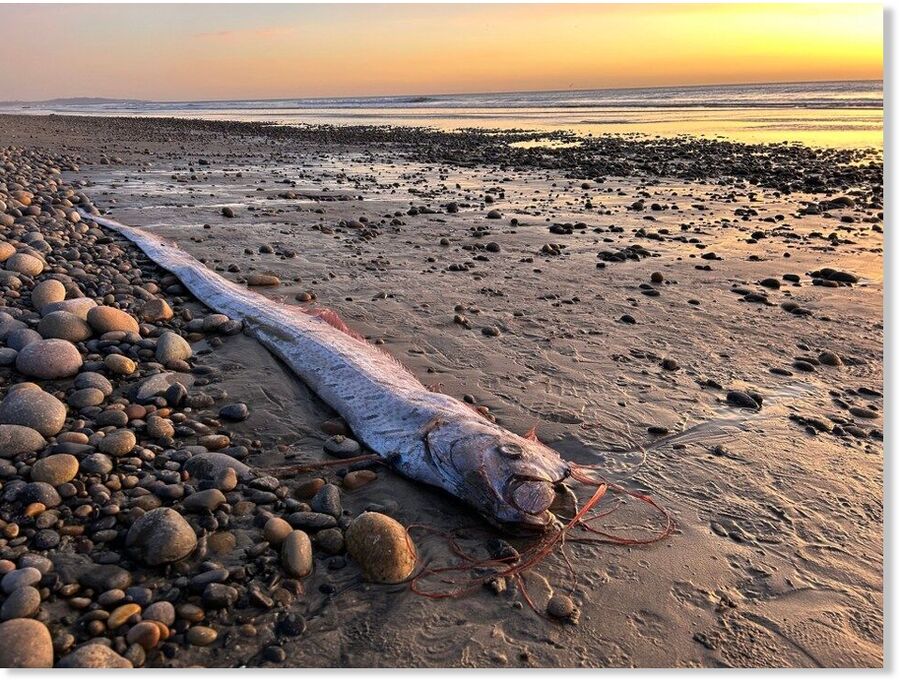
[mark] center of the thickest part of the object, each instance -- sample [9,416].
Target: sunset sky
[191,52]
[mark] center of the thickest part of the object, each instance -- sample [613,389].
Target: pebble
[49,359]
[172,347]
[381,547]
[21,603]
[162,611]
[26,644]
[64,325]
[201,636]
[234,412]
[55,469]
[262,280]
[26,264]
[119,364]
[330,541]
[276,530]
[47,292]
[18,578]
[146,634]
[35,408]
[156,310]
[161,536]
[208,500]
[16,439]
[118,443]
[296,554]
[108,319]
[358,479]
[79,306]
[94,656]
[121,615]
[562,607]
[327,501]
[341,446]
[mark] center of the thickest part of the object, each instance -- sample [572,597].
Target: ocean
[823,114]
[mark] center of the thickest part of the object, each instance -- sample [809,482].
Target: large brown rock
[108,319]
[25,643]
[382,547]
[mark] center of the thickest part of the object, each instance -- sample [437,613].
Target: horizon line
[448,94]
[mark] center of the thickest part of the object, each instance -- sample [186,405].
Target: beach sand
[551,318]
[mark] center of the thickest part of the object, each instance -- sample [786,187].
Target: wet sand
[550,318]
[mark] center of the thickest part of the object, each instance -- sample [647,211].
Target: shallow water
[843,114]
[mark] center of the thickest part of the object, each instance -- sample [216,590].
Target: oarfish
[425,435]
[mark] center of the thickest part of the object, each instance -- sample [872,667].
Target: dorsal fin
[531,435]
[326,315]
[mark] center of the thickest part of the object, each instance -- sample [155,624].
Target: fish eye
[511,450]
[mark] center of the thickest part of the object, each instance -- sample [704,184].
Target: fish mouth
[531,496]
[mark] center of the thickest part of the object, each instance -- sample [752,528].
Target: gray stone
[32,407]
[161,536]
[15,439]
[23,602]
[64,325]
[49,359]
[172,347]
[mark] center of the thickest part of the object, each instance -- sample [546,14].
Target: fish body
[425,435]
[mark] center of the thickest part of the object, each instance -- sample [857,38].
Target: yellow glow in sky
[191,52]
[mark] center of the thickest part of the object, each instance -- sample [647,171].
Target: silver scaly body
[425,435]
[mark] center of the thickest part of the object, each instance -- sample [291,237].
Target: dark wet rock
[327,501]
[742,399]
[311,521]
[213,465]
[234,412]
[161,536]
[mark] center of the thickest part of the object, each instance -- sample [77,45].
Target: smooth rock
[25,264]
[108,319]
[49,359]
[22,603]
[171,347]
[296,554]
[47,292]
[64,325]
[161,536]
[33,408]
[118,443]
[15,439]
[381,547]
[26,644]
[94,656]
[55,469]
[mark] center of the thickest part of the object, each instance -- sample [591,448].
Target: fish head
[510,480]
